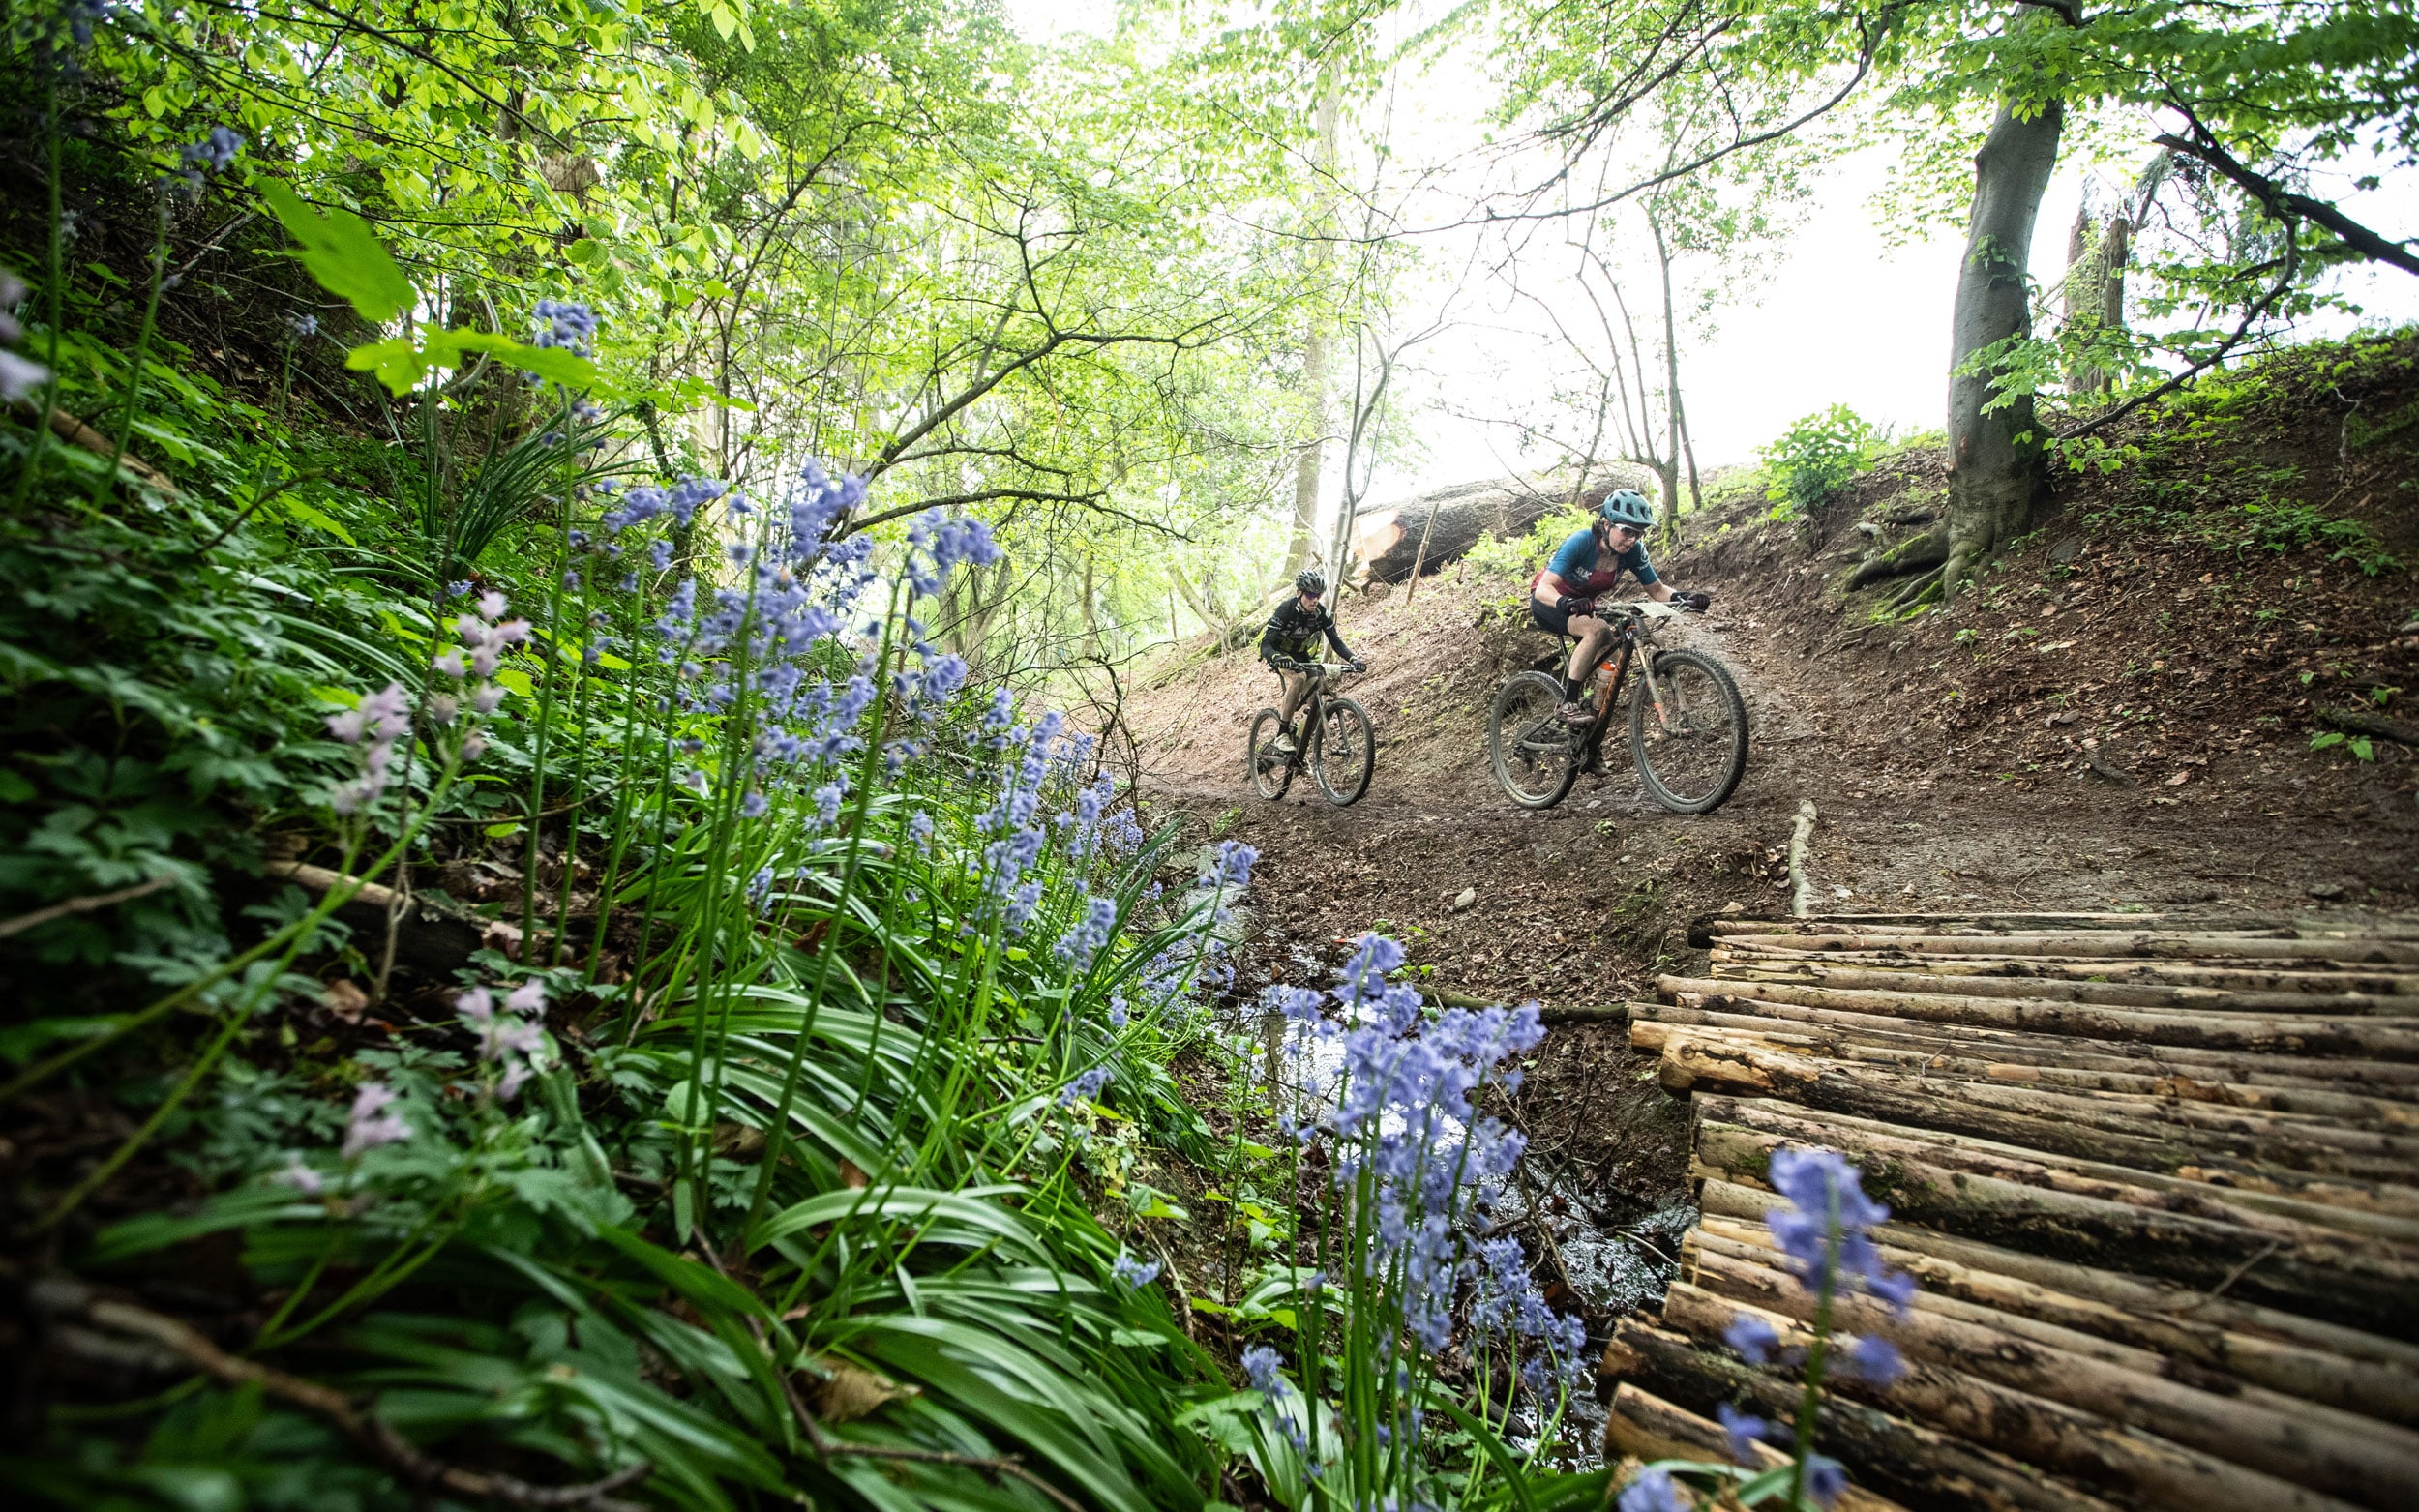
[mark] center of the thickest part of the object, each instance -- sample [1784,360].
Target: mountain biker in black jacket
[1286,645]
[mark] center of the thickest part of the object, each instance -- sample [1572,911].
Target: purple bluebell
[1654,1490]
[1825,1230]
[19,377]
[1825,1478]
[1263,1367]
[215,152]
[1133,1272]
[1743,1431]
[368,1125]
[1084,938]
[1865,1357]
[1086,1086]
[566,324]
[1753,1337]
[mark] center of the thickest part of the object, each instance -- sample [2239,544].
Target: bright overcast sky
[1844,316]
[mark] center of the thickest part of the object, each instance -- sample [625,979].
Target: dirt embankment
[2120,715]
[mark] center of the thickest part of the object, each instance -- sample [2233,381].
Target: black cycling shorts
[1547,618]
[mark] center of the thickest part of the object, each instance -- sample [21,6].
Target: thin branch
[2289,207]
[60,911]
[374,1433]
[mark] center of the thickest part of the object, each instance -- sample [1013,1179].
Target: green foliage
[1518,556]
[1817,456]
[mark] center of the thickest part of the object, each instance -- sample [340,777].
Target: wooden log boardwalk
[2158,1179]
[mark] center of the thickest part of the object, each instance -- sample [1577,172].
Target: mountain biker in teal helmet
[1586,568]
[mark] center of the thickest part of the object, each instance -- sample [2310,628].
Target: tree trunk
[1303,550]
[1673,448]
[1996,457]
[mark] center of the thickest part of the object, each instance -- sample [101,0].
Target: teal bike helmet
[1628,506]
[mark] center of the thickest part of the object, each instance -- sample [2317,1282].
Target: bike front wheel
[1346,752]
[1271,770]
[1693,748]
[1535,756]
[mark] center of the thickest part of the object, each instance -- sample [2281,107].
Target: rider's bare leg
[1595,637]
[1296,686]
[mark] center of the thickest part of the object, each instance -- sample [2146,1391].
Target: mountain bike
[1687,724]
[1339,745]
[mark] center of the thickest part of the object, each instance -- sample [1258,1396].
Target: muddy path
[1584,904]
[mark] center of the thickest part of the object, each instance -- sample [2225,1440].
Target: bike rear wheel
[1346,752]
[1692,750]
[1271,770]
[1535,756]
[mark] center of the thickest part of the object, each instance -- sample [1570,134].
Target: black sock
[1573,688]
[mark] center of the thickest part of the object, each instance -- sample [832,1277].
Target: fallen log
[2278,945]
[1792,1122]
[1988,973]
[2330,1263]
[2306,992]
[2190,1349]
[1944,1061]
[2341,1453]
[1920,1465]
[2384,1080]
[2150,1297]
[2229,1147]
[2317,925]
[1432,529]
[1644,1425]
[2128,1460]
[2312,1034]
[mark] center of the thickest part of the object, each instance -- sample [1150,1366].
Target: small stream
[1590,1248]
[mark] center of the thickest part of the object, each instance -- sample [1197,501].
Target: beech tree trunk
[1995,457]
[1303,550]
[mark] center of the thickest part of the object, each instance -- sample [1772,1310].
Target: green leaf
[397,362]
[343,254]
[14,788]
[318,519]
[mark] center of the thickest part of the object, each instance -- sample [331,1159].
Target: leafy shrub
[1518,556]
[1817,457]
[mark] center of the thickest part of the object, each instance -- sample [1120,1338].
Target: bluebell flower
[1825,1478]
[1233,866]
[827,799]
[754,805]
[1872,1359]
[1824,1231]
[566,324]
[919,828]
[1118,1014]
[1133,1272]
[214,153]
[1084,938]
[1086,1086]
[1753,1336]
[1654,1490]
[1743,1431]
[82,15]
[303,327]
[938,544]
[1264,1368]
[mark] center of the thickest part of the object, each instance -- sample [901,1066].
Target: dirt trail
[1945,778]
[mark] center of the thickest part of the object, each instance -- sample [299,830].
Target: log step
[2157,1177]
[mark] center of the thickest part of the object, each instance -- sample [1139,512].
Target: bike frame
[1314,703]
[1634,636]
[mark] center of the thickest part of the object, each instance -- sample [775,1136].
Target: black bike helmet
[1313,581]
[1628,506]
